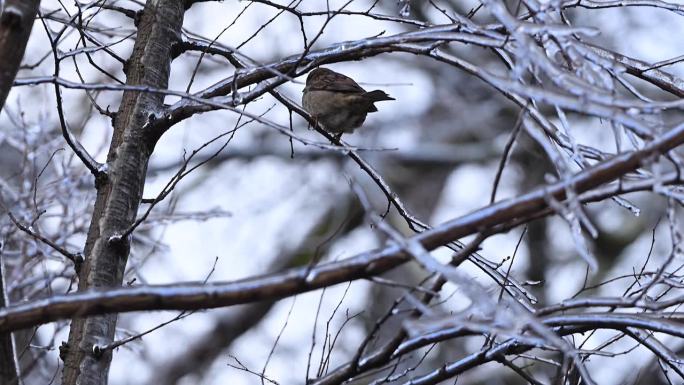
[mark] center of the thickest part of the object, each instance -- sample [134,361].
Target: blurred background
[265,203]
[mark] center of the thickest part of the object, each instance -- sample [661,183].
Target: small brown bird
[337,102]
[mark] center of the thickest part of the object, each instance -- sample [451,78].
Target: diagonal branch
[276,286]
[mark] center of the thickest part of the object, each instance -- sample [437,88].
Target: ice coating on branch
[405,10]
[579,241]
[115,238]
[311,276]
[624,203]
[11,15]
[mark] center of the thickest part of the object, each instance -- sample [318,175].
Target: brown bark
[16,22]
[295,281]
[119,196]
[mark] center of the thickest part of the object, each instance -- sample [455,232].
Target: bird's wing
[339,83]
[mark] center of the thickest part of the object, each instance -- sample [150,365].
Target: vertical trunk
[16,22]
[9,372]
[119,196]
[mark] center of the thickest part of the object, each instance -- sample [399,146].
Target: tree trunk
[9,372]
[16,22]
[119,196]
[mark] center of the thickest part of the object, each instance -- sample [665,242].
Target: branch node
[63,350]
[11,17]
[137,17]
[116,240]
[97,351]
[151,118]
[110,114]
[311,277]
[176,49]
[101,176]
[78,262]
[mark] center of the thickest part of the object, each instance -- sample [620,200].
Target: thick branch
[347,51]
[197,296]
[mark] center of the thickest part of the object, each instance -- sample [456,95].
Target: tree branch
[16,22]
[195,296]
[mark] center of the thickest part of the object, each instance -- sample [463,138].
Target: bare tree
[16,20]
[15,28]
[533,98]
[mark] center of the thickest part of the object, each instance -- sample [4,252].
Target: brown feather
[323,79]
[337,102]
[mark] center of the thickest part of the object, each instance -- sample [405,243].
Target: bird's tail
[378,95]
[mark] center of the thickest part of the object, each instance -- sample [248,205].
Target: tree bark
[16,22]
[119,196]
[9,370]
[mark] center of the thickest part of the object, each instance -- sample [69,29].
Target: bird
[337,102]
